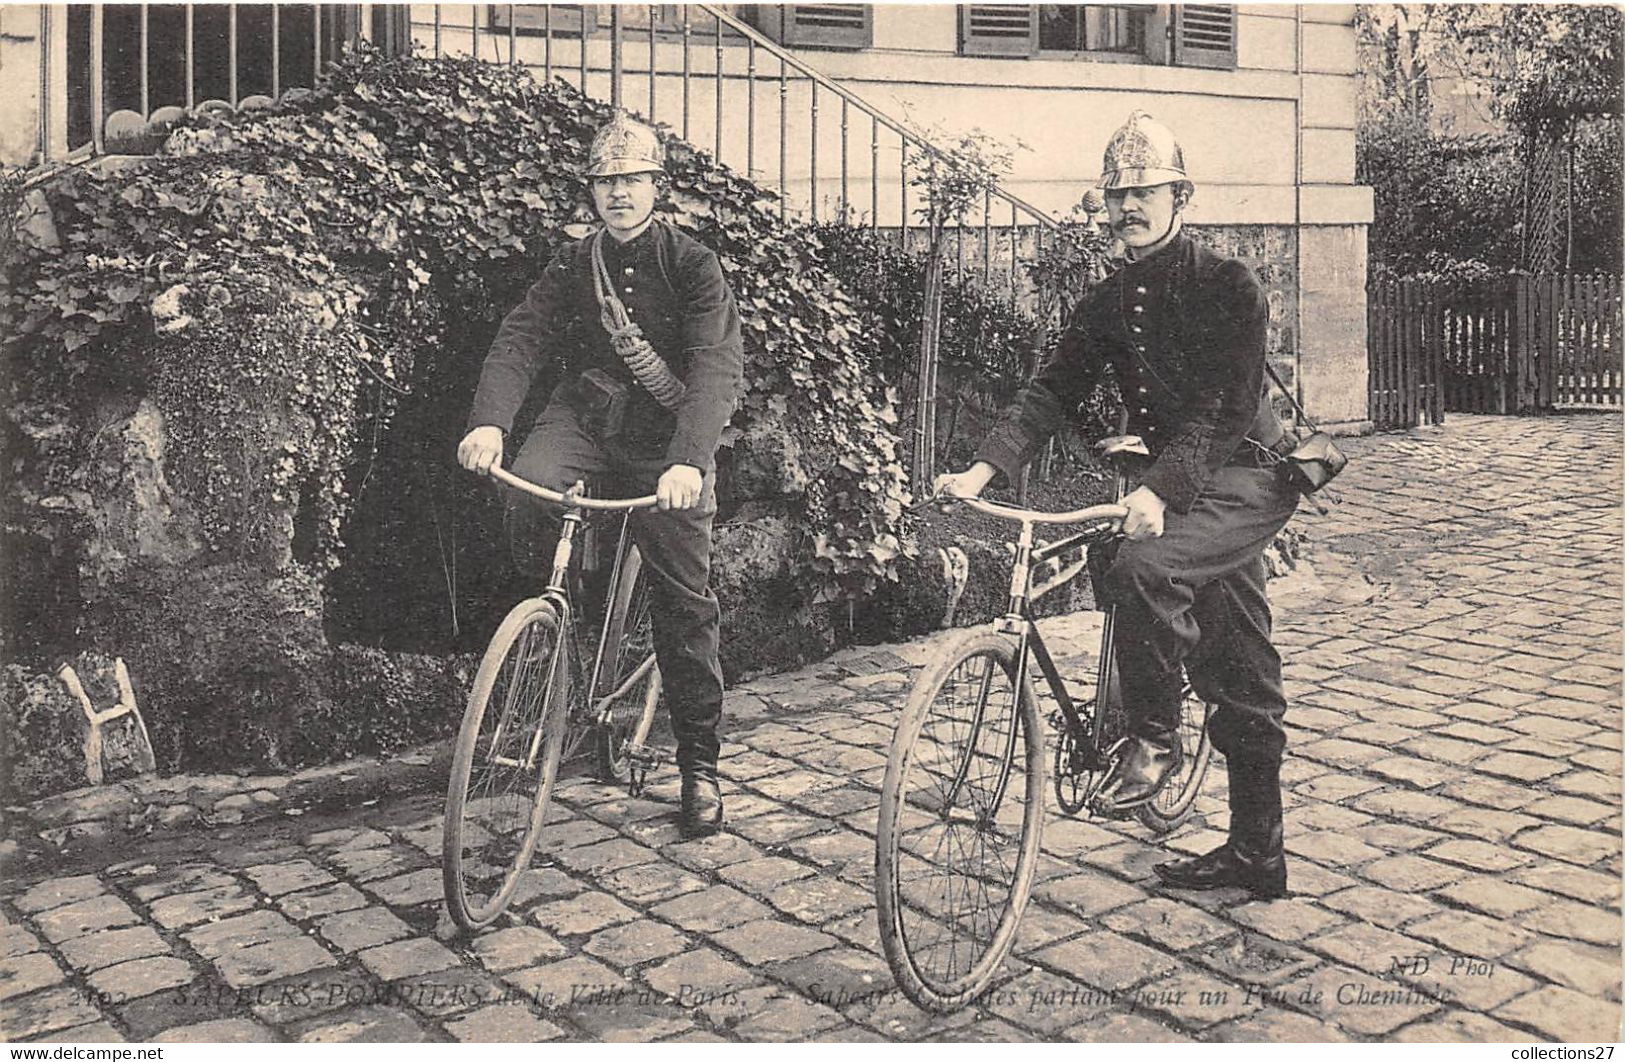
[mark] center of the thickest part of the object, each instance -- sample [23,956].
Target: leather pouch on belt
[601,401]
[1313,464]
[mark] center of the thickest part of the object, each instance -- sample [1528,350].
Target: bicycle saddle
[1114,445]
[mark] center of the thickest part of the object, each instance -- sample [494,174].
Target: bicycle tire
[494,811]
[1172,805]
[629,636]
[907,926]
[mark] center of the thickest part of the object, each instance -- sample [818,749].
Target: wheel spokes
[961,814]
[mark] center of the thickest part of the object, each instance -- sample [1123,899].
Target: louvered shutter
[817,25]
[1205,35]
[561,18]
[998,29]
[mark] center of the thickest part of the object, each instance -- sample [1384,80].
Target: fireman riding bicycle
[962,805]
[542,690]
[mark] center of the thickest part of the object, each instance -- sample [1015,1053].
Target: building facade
[808,99]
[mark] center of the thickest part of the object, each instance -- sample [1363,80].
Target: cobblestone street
[1453,826]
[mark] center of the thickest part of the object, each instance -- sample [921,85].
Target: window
[1076,28]
[1200,34]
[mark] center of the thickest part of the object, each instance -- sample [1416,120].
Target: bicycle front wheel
[961,814]
[628,655]
[505,763]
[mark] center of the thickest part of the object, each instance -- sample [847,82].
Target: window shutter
[532,18]
[817,25]
[1205,35]
[998,29]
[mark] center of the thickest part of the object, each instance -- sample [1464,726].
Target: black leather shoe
[1264,875]
[1139,773]
[702,804]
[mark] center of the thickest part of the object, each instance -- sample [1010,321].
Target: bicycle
[955,788]
[533,704]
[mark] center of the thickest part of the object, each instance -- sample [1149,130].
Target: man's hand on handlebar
[679,487]
[967,484]
[1144,519]
[481,449]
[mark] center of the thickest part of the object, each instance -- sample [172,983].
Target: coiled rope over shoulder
[648,367]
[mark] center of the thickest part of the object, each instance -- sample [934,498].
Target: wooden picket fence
[1516,344]
[1406,371]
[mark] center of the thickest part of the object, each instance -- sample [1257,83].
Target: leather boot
[1262,874]
[1139,773]
[702,801]
[1253,858]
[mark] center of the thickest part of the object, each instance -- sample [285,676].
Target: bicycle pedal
[640,760]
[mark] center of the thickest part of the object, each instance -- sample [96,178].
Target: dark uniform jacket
[1183,331]
[674,291]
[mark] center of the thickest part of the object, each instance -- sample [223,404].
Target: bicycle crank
[1099,804]
[1074,781]
[640,760]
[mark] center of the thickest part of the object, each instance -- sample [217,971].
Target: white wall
[1242,130]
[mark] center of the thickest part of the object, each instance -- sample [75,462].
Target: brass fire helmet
[625,145]
[1142,154]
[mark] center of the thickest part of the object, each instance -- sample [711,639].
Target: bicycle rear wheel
[505,763]
[961,814]
[1172,804]
[628,655]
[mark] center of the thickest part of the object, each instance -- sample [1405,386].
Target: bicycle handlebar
[569,497]
[1091,514]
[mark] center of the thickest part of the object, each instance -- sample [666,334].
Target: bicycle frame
[557,590]
[1018,619]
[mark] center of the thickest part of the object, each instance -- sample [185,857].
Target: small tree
[953,179]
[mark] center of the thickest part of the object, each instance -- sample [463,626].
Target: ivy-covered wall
[236,373]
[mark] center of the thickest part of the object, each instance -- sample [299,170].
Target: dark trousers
[676,548]
[1194,598]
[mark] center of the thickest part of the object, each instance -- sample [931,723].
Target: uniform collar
[1163,265]
[635,251]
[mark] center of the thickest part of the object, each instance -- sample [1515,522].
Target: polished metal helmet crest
[625,145]
[1141,154]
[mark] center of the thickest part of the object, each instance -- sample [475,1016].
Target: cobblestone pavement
[1453,834]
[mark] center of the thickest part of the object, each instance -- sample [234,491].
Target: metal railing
[664,55]
[126,71]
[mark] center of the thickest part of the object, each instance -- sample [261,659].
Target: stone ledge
[147,803]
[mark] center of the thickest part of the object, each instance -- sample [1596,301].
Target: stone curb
[147,803]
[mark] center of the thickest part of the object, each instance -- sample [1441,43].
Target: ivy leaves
[397,212]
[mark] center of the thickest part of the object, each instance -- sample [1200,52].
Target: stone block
[407,958]
[272,961]
[366,927]
[587,913]
[22,974]
[503,1023]
[770,940]
[93,951]
[105,911]
[142,977]
[215,939]
[716,908]
[59,892]
[634,942]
